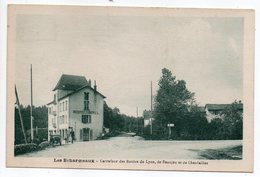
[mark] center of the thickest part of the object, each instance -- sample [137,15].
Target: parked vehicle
[55,140]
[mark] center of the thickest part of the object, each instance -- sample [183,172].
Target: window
[81,134]
[216,112]
[63,106]
[62,119]
[66,105]
[50,110]
[51,132]
[86,119]
[86,101]
[60,107]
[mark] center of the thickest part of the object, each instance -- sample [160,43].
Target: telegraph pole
[137,119]
[151,122]
[32,137]
[20,115]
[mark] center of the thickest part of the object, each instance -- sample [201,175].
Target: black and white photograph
[130,88]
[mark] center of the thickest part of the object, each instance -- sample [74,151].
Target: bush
[36,141]
[25,148]
[44,145]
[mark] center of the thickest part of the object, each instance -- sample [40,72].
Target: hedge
[24,148]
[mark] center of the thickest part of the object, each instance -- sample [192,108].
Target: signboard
[170,125]
[84,112]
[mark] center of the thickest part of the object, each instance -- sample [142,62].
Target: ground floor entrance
[86,134]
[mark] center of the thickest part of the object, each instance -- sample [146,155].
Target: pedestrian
[66,137]
[72,134]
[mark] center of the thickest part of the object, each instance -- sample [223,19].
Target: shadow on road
[230,153]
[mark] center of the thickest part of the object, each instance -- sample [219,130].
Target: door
[85,134]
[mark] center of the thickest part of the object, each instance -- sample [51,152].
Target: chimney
[89,82]
[95,86]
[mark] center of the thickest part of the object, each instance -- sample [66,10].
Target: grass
[231,153]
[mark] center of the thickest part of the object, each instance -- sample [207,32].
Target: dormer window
[86,101]
[54,99]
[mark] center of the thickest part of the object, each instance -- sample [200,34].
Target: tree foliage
[233,121]
[40,115]
[230,126]
[175,104]
[118,122]
[172,101]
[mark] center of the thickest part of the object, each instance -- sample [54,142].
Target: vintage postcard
[130,88]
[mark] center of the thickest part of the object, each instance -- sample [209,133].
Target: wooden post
[36,131]
[137,119]
[169,132]
[75,129]
[20,115]
[151,122]
[32,137]
[170,125]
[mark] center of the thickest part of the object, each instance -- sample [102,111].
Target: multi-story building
[76,106]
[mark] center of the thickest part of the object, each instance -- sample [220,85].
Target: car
[55,140]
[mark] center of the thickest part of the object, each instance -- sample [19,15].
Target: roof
[219,107]
[74,83]
[86,86]
[71,82]
[50,102]
[201,108]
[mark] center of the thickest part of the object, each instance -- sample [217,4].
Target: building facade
[147,115]
[76,106]
[215,110]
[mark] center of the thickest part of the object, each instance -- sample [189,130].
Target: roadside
[230,153]
[135,147]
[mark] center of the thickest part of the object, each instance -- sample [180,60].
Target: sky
[124,54]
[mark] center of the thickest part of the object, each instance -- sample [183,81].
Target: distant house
[202,109]
[215,110]
[147,114]
[76,105]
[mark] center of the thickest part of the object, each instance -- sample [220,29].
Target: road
[134,147]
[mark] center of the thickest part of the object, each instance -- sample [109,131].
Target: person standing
[72,134]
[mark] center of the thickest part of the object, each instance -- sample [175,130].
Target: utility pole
[32,137]
[75,127]
[20,115]
[125,124]
[137,119]
[151,122]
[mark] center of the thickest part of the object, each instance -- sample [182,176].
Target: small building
[147,114]
[202,109]
[76,106]
[214,110]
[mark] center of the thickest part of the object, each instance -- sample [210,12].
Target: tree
[233,121]
[116,121]
[215,129]
[195,123]
[108,115]
[172,102]
[40,115]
